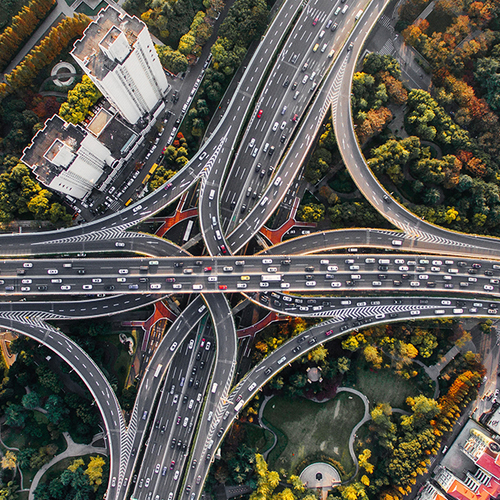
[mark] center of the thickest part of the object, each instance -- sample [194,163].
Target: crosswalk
[386,23]
[388,48]
[316,13]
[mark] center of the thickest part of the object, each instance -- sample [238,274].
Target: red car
[207,269]
[223,249]
[295,116]
[222,287]
[170,280]
[259,114]
[315,22]
[168,186]
[328,333]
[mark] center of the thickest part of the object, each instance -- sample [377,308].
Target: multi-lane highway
[302,67]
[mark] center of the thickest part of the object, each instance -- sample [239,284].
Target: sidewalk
[73,450]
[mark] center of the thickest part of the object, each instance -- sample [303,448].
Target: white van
[344,10]
[358,15]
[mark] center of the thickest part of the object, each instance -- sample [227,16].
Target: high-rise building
[119,56]
[66,158]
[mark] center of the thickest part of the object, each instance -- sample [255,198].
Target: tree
[318,354]
[83,96]
[31,400]
[9,460]
[15,415]
[363,461]
[373,356]
[343,364]
[94,471]
[56,410]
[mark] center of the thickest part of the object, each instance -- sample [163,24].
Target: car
[148,480]
[315,22]
[351,46]
[87,287]
[335,26]
[157,468]
[223,249]
[119,244]
[122,271]
[207,269]
[295,116]
[28,264]
[52,271]
[222,287]
[488,288]
[310,283]
[283,125]
[168,186]
[259,114]
[66,287]
[173,346]
[170,280]
[275,126]
[176,475]
[228,269]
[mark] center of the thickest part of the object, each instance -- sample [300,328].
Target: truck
[271,277]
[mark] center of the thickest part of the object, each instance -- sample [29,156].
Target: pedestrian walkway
[275,236]
[251,331]
[161,312]
[72,450]
[179,216]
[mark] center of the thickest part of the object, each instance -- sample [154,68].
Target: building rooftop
[96,48]
[111,130]
[52,148]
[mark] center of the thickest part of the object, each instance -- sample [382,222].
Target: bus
[146,179]
[158,370]
[271,277]
[189,228]
[153,168]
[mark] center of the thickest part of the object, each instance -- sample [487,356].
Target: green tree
[31,400]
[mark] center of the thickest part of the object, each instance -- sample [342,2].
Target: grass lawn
[83,8]
[313,428]
[385,387]
[438,21]
[258,438]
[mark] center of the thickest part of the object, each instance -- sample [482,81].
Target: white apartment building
[66,158]
[119,56]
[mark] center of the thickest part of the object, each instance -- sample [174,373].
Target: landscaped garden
[313,428]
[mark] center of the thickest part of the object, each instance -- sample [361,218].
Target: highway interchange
[190,397]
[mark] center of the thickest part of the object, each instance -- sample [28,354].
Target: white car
[241,285]
[264,284]
[414,313]
[25,289]
[87,287]
[96,280]
[332,268]
[119,244]
[267,261]
[488,288]
[65,287]
[275,126]
[212,278]
[173,346]
[177,286]
[285,285]
[26,281]
[155,286]
[122,271]
[27,264]
[310,283]
[52,271]
[336,284]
